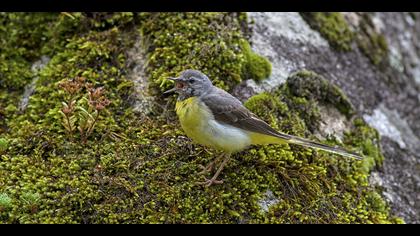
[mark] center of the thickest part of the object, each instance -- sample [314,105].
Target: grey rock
[141,99]
[36,67]
[333,123]
[269,31]
[388,98]
[268,201]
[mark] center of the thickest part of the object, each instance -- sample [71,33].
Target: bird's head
[190,83]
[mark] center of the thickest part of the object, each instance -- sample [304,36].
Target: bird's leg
[210,166]
[206,169]
[213,180]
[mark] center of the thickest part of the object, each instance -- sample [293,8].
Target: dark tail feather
[308,143]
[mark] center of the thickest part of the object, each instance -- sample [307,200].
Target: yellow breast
[191,113]
[199,124]
[193,116]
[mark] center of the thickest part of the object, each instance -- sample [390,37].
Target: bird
[214,118]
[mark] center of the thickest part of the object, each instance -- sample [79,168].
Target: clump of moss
[256,67]
[5,202]
[310,85]
[369,140]
[3,145]
[40,159]
[335,29]
[21,36]
[332,27]
[372,43]
[210,42]
[5,206]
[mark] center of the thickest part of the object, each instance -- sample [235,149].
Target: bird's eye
[191,80]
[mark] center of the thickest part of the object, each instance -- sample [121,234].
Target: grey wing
[229,110]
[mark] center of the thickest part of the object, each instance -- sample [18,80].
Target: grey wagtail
[212,117]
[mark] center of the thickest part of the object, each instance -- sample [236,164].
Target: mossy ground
[142,169]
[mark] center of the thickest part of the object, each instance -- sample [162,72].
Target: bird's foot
[210,182]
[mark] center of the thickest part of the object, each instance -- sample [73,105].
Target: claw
[213,180]
[210,182]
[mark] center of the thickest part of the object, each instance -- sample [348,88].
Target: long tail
[308,143]
[262,133]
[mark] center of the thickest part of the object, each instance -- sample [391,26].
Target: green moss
[368,139]
[310,85]
[48,163]
[373,44]
[335,29]
[5,206]
[209,42]
[256,67]
[205,41]
[24,34]
[142,169]
[3,145]
[5,201]
[332,27]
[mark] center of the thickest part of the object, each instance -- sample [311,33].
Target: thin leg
[213,180]
[210,166]
[206,169]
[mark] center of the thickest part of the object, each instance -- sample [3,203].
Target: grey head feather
[195,84]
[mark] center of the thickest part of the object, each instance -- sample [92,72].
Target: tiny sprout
[97,100]
[102,103]
[67,109]
[88,86]
[72,87]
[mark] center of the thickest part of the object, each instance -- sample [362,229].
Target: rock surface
[388,98]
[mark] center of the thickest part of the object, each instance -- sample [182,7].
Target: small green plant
[89,117]
[72,89]
[3,145]
[5,202]
[82,112]
[31,201]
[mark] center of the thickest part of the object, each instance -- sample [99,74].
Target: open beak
[172,89]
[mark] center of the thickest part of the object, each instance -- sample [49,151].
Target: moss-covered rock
[210,42]
[317,186]
[21,35]
[134,169]
[332,27]
[310,85]
[256,66]
[372,43]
